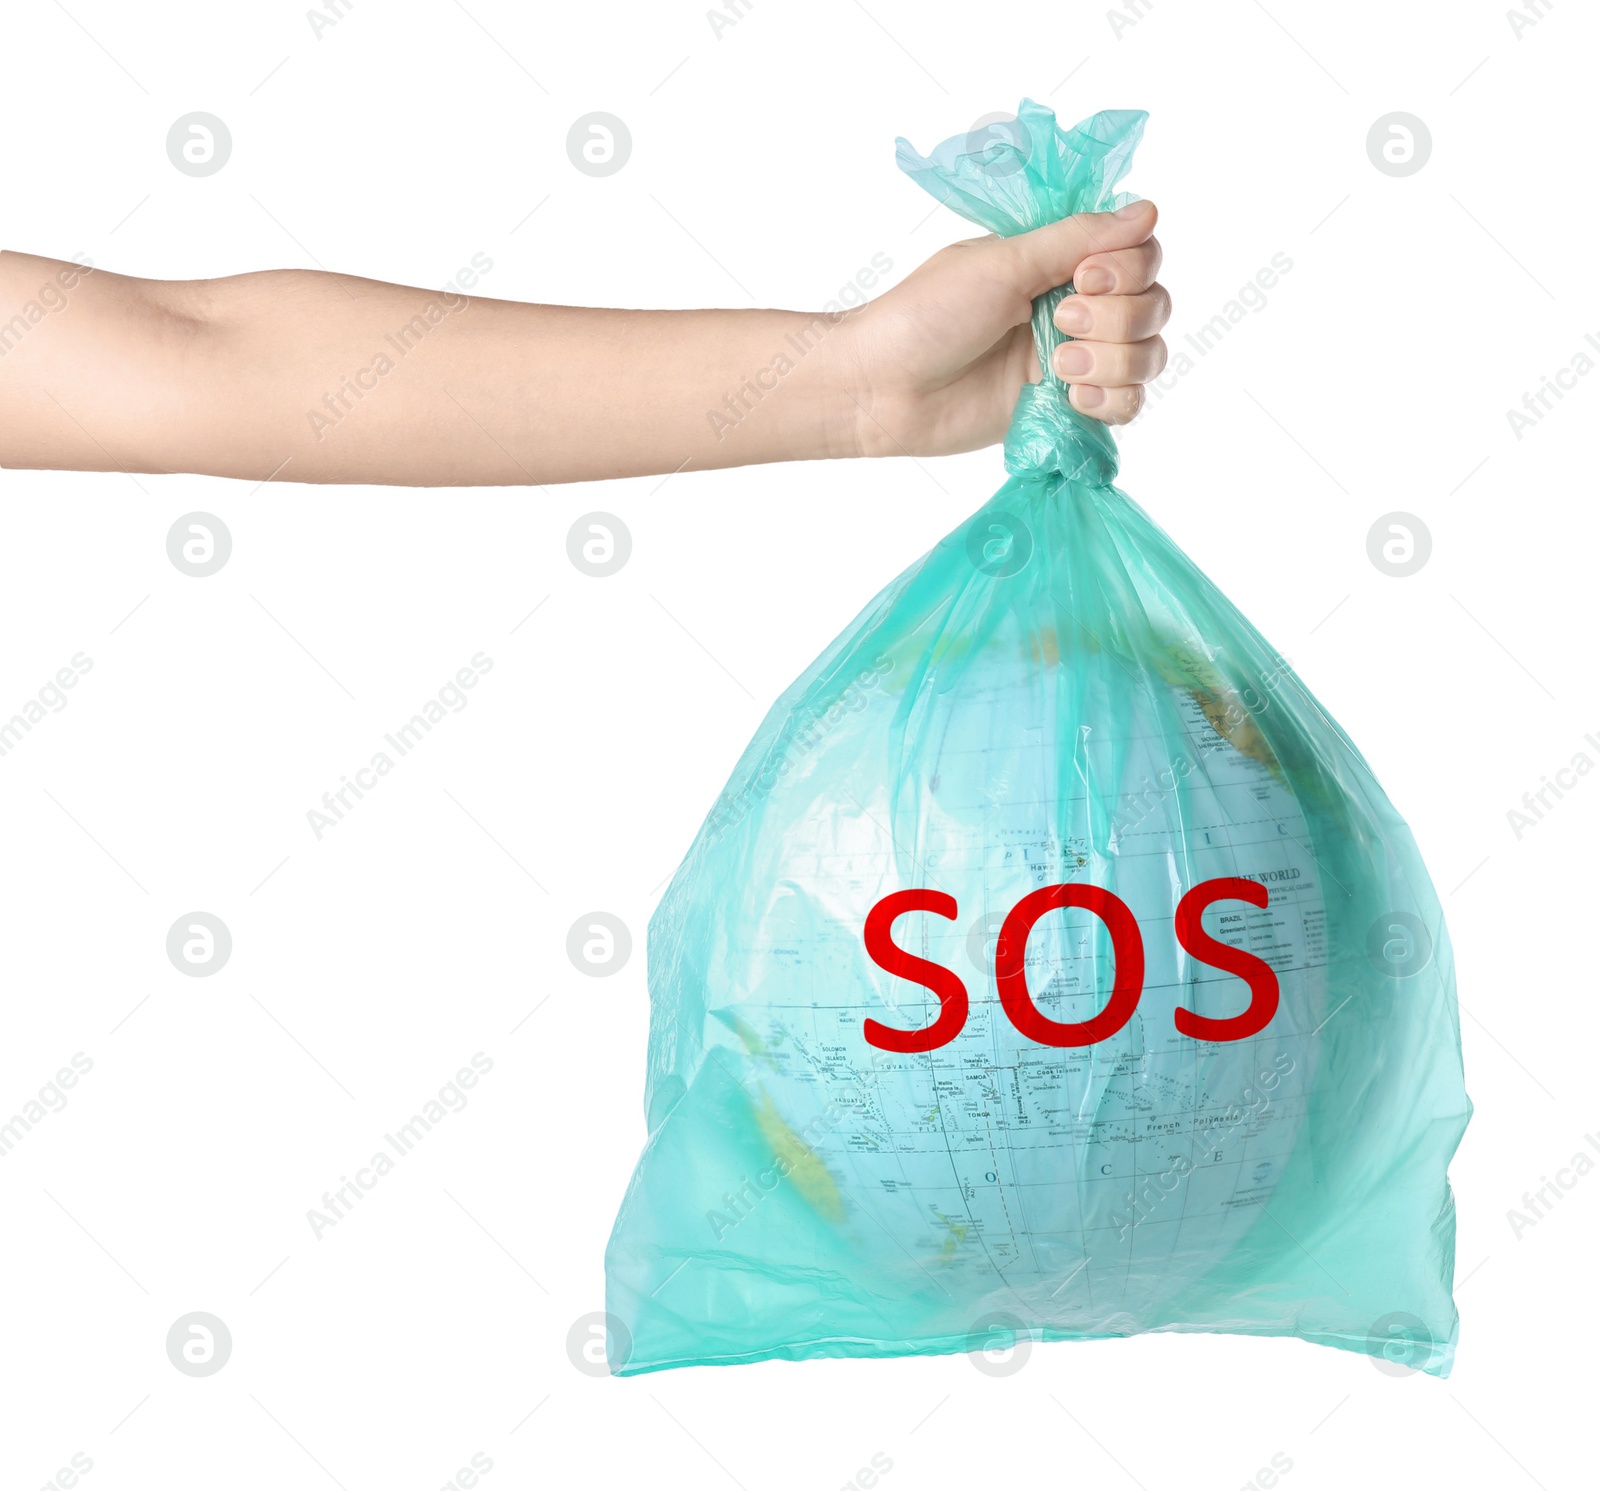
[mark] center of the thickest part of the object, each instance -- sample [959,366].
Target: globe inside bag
[1052,964]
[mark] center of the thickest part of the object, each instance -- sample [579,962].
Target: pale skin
[283,374]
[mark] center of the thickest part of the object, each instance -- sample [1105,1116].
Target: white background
[369,966]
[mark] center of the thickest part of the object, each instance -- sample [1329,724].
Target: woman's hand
[293,375]
[938,361]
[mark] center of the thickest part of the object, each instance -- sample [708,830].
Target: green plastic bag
[1052,966]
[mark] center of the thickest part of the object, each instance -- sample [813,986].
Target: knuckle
[1153,310]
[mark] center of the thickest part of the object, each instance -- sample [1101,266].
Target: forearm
[328,378]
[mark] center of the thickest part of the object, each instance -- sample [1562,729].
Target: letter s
[1200,944]
[882,950]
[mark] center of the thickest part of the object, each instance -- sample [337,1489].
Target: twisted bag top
[1052,966]
[1025,174]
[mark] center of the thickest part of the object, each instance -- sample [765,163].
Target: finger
[1112,406]
[1115,318]
[1109,364]
[1050,256]
[1126,271]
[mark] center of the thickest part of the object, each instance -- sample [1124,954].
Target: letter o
[1010,971]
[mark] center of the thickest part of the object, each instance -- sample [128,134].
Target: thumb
[1050,256]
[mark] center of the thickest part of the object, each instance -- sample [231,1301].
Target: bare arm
[328,378]
[351,380]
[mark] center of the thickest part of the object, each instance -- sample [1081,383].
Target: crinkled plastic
[1054,696]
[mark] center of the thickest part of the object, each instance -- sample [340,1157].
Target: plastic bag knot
[1048,437]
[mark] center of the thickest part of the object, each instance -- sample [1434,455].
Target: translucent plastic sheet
[1053,697]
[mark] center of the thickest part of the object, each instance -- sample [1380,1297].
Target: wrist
[824,349]
[863,400]
[803,399]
